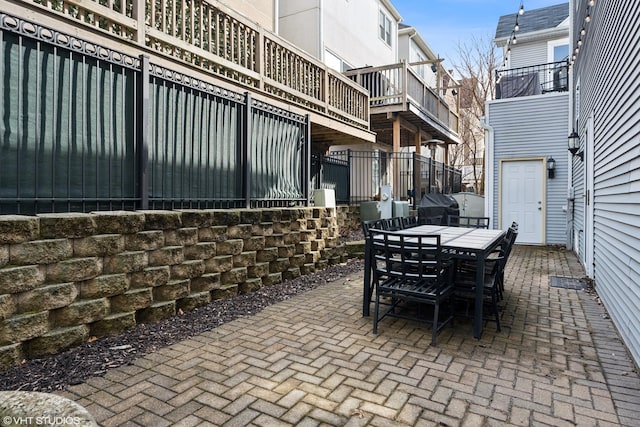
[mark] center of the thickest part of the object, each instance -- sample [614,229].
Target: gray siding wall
[529,54]
[531,127]
[608,67]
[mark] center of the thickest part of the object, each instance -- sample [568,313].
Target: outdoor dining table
[458,243]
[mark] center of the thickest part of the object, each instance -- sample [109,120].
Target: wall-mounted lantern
[432,144]
[551,167]
[574,145]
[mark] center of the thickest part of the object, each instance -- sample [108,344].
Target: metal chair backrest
[468,221]
[394,223]
[379,224]
[506,247]
[510,239]
[432,220]
[407,257]
[409,221]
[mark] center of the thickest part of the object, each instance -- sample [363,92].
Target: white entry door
[522,199]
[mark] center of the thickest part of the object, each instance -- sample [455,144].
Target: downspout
[488,169]
[321,30]
[570,213]
[276,17]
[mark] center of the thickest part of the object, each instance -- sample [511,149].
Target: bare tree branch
[478,62]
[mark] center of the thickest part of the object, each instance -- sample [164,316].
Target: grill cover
[436,204]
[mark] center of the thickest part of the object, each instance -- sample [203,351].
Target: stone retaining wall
[67,277]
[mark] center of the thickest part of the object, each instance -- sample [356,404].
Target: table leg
[479,302]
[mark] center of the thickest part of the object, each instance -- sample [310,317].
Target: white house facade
[342,34]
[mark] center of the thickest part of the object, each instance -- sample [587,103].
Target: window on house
[560,53]
[558,50]
[334,61]
[385,28]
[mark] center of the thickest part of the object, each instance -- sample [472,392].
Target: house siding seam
[541,132]
[608,68]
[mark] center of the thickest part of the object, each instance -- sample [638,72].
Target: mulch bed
[95,358]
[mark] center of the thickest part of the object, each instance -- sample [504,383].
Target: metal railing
[409,174]
[89,128]
[533,80]
[329,173]
[210,36]
[396,84]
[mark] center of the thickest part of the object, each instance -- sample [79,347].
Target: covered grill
[433,205]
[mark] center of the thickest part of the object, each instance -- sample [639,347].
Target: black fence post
[349,176]
[417,189]
[245,140]
[143,131]
[306,153]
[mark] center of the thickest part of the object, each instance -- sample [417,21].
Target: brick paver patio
[313,361]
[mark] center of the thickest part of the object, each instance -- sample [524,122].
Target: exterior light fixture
[583,31]
[551,167]
[521,11]
[592,2]
[513,40]
[454,92]
[434,67]
[587,18]
[574,145]
[432,144]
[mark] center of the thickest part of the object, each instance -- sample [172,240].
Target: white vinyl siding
[608,70]
[528,54]
[349,30]
[528,128]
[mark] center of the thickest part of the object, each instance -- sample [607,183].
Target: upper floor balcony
[398,89]
[214,40]
[533,80]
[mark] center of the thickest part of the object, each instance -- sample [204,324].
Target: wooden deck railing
[212,37]
[396,84]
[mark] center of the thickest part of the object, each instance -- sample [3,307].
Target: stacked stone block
[67,277]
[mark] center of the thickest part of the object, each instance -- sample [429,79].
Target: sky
[443,24]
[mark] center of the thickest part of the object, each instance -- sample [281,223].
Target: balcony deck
[533,80]
[210,39]
[396,90]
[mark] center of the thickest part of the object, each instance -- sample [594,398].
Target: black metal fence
[409,174]
[533,80]
[84,127]
[333,174]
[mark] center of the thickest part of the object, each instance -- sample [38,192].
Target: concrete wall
[67,277]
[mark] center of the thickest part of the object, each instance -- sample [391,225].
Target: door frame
[543,164]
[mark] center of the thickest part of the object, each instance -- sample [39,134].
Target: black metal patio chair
[465,278]
[410,269]
[367,226]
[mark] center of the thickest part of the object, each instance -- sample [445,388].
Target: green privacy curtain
[67,128]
